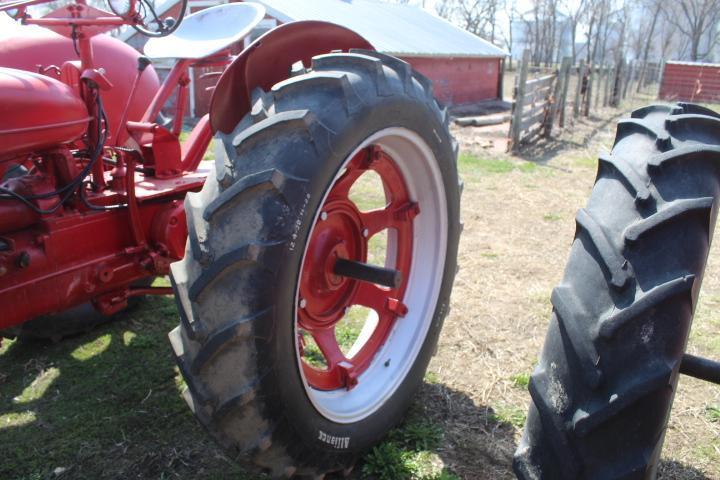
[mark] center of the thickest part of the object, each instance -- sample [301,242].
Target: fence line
[541,100]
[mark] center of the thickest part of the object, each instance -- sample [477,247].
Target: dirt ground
[106,405]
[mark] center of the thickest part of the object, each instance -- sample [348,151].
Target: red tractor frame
[78,256]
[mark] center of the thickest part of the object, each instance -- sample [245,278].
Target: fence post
[641,76]
[560,89]
[566,86]
[617,86]
[516,123]
[602,72]
[610,79]
[589,89]
[628,80]
[578,90]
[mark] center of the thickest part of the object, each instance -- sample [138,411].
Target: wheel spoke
[377,220]
[326,341]
[342,186]
[371,296]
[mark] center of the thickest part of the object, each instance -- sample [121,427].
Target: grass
[408,453]
[552,217]
[209,153]
[712,413]
[521,380]
[473,164]
[509,414]
[104,401]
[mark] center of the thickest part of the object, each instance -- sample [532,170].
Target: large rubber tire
[77,320]
[236,287]
[604,386]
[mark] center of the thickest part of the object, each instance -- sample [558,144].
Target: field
[106,405]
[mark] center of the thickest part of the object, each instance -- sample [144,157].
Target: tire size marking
[298,223]
[341,443]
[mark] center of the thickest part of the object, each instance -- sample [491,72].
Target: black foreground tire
[604,386]
[237,287]
[80,319]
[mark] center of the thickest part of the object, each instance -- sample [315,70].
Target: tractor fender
[268,60]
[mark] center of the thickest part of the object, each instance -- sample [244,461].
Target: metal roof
[693,64]
[401,30]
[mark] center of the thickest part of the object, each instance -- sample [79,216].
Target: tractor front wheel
[282,255]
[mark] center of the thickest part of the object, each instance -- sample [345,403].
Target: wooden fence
[569,92]
[530,109]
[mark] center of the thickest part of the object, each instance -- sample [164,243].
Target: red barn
[691,82]
[464,68]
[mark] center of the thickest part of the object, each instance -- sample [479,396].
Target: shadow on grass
[544,150]
[103,405]
[674,470]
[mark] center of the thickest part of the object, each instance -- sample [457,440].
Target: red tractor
[266,249]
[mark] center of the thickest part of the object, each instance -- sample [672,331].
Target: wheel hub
[342,231]
[326,295]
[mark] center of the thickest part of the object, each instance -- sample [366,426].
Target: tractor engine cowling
[37,112]
[39,50]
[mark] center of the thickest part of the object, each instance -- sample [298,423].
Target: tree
[697,22]
[574,12]
[475,16]
[656,7]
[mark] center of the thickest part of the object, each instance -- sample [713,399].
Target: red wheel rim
[343,231]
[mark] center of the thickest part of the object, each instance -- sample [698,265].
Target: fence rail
[573,91]
[532,98]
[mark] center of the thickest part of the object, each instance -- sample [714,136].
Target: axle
[387,277]
[701,368]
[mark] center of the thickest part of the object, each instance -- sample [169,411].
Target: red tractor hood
[37,112]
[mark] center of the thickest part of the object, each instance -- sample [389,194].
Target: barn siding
[460,80]
[694,82]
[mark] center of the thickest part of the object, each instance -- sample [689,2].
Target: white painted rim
[425,186]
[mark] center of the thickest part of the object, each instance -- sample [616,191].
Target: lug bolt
[366,232]
[303,303]
[323,216]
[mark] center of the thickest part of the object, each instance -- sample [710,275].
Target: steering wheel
[144,18]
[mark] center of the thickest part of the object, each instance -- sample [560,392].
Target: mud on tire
[237,288]
[604,386]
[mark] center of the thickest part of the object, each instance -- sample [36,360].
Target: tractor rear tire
[604,386]
[238,288]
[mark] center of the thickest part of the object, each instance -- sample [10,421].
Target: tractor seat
[207,32]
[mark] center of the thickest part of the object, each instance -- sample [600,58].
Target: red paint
[342,231]
[460,80]
[692,82]
[37,112]
[268,60]
[44,48]
[74,252]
